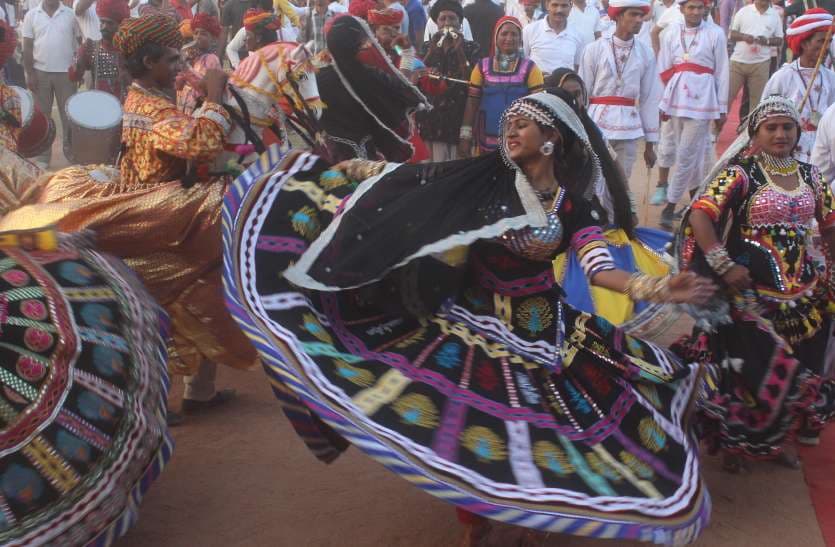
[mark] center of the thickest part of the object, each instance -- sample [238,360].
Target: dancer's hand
[214,82]
[689,288]
[738,277]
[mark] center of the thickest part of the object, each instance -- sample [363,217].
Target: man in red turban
[806,37]
[101,58]
[385,23]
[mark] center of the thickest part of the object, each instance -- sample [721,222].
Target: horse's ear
[301,53]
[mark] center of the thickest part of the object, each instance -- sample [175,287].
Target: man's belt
[684,67]
[612,100]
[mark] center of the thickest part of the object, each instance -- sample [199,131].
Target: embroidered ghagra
[454,361]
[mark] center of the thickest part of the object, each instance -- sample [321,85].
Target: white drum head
[27,104]
[94,110]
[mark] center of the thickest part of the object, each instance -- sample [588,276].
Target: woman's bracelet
[363,169]
[718,259]
[466,132]
[648,288]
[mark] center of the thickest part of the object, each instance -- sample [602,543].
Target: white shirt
[749,20]
[432,27]
[787,81]
[9,17]
[823,151]
[585,23]
[639,81]
[607,26]
[287,33]
[89,22]
[659,9]
[687,94]
[55,38]
[551,50]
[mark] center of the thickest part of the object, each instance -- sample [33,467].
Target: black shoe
[173,419]
[190,406]
[668,218]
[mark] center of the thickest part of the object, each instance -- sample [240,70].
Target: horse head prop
[273,87]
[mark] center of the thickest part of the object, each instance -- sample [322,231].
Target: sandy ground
[240,476]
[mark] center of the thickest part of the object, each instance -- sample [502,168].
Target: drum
[38,129]
[95,120]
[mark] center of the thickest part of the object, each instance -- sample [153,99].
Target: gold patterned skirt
[168,234]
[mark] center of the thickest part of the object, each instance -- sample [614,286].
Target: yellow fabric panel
[535,79]
[476,78]
[613,306]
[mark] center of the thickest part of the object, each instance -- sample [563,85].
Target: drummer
[101,58]
[159,146]
[17,173]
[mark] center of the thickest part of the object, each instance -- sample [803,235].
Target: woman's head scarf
[551,111]
[774,106]
[207,22]
[380,88]
[561,75]
[506,20]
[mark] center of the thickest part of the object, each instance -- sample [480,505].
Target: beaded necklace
[773,165]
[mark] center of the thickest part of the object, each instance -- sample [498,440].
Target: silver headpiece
[546,109]
[773,106]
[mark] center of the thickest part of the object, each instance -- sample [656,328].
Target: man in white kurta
[806,36]
[624,88]
[693,64]
[823,152]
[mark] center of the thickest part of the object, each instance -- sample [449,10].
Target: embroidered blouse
[771,225]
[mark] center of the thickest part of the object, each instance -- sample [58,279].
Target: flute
[448,79]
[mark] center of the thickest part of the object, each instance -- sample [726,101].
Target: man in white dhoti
[805,37]
[624,89]
[693,64]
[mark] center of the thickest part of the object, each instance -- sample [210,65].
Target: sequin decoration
[774,205]
[538,243]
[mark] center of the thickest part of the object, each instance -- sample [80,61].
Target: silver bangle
[719,260]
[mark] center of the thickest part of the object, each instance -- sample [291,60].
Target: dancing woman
[370,102]
[750,228]
[417,315]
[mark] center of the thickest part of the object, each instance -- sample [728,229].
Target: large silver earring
[547,149]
